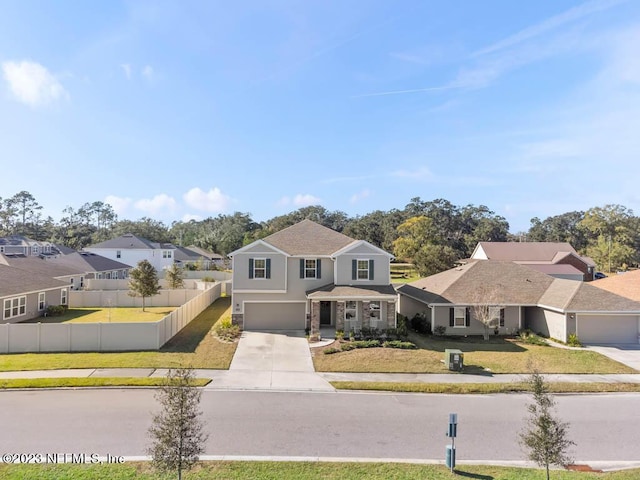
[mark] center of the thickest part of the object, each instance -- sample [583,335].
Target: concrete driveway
[628,354]
[276,360]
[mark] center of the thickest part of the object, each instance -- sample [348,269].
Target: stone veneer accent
[366,315]
[238,319]
[391,314]
[340,316]
[314,334]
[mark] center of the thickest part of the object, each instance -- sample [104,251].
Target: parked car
[599,275]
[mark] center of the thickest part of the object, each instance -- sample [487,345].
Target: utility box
[454,359]
[450,459]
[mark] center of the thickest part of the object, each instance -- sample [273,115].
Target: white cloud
[32,84]
[283,202]
[422,173]
[305,200]
[127,70]
[119,204]
[356,197]
[159,204]
[212,201]
[148,72]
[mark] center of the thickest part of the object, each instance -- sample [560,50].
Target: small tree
[544,437]
[486,309]
[143,281]
[177,430]
[174,276]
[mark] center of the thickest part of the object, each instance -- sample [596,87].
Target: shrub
[330,350]
[348,346]
[420,324]
[55,310]
[440,330]
[528,337]
[226,330]
[339,334]
[366,343]
[401,330]
[574,341]
[399,344]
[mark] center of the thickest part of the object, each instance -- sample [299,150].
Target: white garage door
[274,316]
[608,328]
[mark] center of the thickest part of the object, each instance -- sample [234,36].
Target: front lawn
[297,470]
[107,315]
[194,346]
[496,355]
[76,382]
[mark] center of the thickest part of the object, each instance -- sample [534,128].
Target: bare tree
[177,431]
[486,308]
[545,437]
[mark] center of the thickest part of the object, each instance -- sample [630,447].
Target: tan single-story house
[520,298]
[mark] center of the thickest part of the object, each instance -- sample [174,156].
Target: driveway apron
[627,354]
[276,360]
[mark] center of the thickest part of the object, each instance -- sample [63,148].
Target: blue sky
[180,110]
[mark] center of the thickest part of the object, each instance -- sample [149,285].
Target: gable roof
[130,241]
[624,284]
[37,265]
[308,238]
[86,262]
[526,251]
[510,283]
[15,281]
[205,253]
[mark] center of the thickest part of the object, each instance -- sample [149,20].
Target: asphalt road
[605,427]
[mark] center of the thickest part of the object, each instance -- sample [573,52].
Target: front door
[325,313]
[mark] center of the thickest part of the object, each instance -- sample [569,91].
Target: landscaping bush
[528,337]
[420,324]
[226,330]
[440,330]
[348,346]
[574,341]
[399,344]
[366,343]
[401,331]
[330,350]
[55,310]
[339,334]
[208,279]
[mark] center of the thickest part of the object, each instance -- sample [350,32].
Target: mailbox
[454,359]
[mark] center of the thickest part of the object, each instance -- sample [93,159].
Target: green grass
[194,346]
[497,355]
[90,382]
[403,273]
[296,471]
[475,388]
[107,315]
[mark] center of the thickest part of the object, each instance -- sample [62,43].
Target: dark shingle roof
[308,238]
[48,267]
[130,241]
[89,262]
[16,281]
[345,291]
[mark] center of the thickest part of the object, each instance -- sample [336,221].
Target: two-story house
[130,250]
[308,276]
[21,245]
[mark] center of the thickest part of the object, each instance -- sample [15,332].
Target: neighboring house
[624,284]
[309,276]
[25,295]
[558,259]
[20,245]
[73,269]
[521,298]
[197,257]
[130,250]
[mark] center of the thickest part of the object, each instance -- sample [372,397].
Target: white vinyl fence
[104,337]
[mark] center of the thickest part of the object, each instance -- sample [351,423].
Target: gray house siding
[344,268]
[442,316]
[546,322]
[31,310]
[408,307]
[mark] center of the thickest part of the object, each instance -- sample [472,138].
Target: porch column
[314,334]
[340,315]
[366,315]
[391,314]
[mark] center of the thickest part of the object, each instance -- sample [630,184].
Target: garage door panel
[274,316]
[608,328]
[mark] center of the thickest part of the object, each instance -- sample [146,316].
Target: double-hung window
[310,268]
[14,307]
[260,268]
[63,296]
[459,316]
[41,301]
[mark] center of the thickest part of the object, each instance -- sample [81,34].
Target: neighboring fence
[121,298]
[104,337]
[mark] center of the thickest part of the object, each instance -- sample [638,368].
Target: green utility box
[454,359]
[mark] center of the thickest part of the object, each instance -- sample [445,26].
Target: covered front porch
[349,308]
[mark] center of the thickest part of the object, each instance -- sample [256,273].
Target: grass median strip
[296,470]
[462,388]
[90,382]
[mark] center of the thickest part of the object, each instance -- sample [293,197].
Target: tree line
[432,235]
